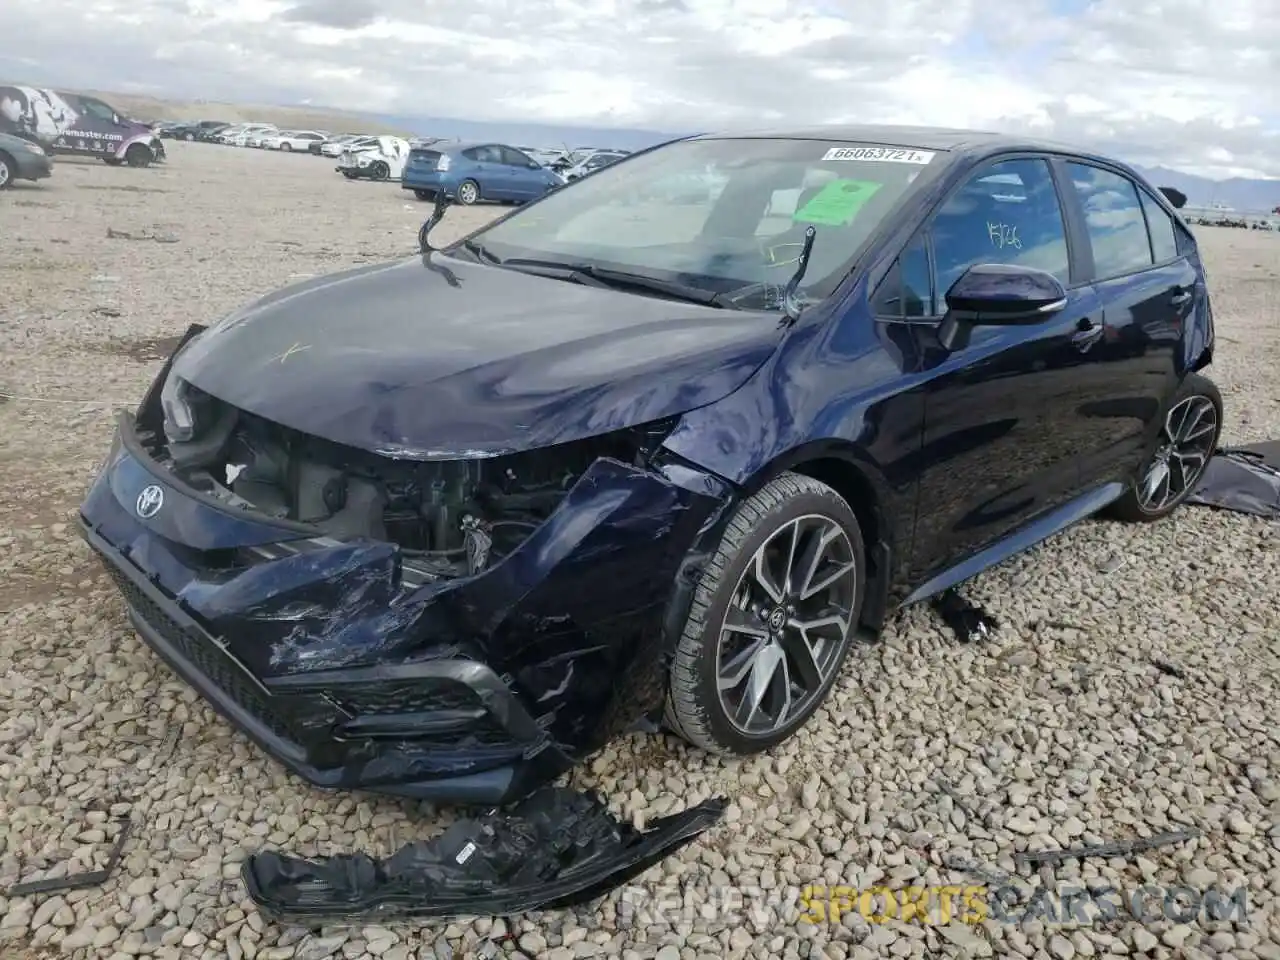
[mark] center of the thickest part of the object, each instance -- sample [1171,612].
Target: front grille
[203,655]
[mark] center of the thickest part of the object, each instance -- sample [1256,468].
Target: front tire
[380,171]
[8,171]
[1188,439]
[138,156]
[468,192]
[772,619]
[287,148]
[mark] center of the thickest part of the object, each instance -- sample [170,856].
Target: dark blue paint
[954,452]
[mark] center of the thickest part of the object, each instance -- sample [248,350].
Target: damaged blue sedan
[442,527]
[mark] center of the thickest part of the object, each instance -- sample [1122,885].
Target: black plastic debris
[1109,850]
[968,621]
[556,848]
[77,881]
[1244,479]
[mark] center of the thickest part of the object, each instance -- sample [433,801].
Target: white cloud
[1186,83]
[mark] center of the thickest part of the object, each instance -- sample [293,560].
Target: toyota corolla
[444,526]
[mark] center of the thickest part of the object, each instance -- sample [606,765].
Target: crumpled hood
[444,358]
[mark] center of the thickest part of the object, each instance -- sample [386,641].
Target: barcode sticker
[879,154]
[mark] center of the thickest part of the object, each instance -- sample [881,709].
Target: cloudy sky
[1193,84]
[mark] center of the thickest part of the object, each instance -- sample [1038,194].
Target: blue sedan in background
[471,172]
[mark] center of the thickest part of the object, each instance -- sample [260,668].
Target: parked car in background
[77,125]
[288,140]
[335,146]
[246,132]
[190,130]
[212,133]
[256,138]
[594,162]
[22,159]
[473,172]
[229,133]
[383,158]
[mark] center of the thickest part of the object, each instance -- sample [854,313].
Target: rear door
[488,170]
[527,179]
[1148,287]
[1003,422]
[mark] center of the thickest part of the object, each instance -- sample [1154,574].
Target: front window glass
[725,215]
[98,109]
[1006,213]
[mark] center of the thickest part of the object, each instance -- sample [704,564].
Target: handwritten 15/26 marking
[1003,235]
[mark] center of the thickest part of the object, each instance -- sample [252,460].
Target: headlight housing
[181,403]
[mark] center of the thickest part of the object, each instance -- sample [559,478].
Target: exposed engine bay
[455,516]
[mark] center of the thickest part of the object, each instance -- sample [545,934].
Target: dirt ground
[1060,730]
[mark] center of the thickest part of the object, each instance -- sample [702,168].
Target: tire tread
[683,712]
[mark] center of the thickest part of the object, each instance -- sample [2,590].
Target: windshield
[725,215]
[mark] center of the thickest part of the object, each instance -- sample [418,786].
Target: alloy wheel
[467,193]
[786,626]
[4,172]
[1187,441]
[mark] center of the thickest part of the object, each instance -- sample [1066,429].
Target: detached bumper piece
[1243,479]
[557,848]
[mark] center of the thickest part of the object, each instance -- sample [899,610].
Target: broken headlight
[181,403]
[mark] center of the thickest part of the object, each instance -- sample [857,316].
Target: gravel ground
[1059,730]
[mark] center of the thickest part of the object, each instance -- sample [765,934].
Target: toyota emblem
[150,500]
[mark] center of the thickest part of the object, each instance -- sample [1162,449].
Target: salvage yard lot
[1131,689]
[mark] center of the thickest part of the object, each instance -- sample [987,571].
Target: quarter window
[1113,216]
[905,291]
[1164,235]
[1006,213]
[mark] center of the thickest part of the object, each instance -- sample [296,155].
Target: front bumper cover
[471,690]
[558,848]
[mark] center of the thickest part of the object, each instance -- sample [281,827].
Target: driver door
[1005,418]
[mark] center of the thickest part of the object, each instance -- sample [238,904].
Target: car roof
[950,139]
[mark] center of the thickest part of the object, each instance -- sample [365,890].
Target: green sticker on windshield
[837,203]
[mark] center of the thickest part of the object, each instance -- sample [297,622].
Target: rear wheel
[286,146]
[380,170]
[8,171]
[468,192]
[771,621]
[138,155]
[1187,441]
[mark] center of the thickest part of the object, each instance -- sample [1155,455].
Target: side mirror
[990,294]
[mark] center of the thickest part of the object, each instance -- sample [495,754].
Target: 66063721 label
[880,154]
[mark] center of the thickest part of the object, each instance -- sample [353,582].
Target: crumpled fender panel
[556,848]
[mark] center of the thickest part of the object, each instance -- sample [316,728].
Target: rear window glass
[1113,216]
[1164,235]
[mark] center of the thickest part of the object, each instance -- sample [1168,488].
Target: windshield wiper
[554,270]
[790,302]
[593,275]
[480,250]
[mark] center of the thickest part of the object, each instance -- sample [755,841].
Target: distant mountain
[1246,196]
